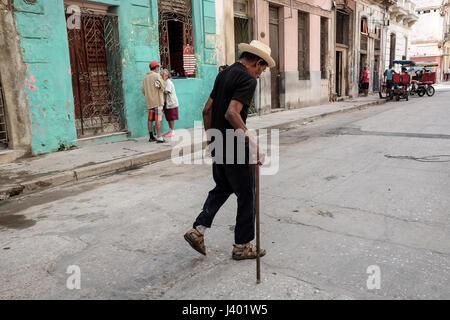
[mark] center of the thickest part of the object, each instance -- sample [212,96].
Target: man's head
[256,57]
[390,66]
[154,66]
[255,65]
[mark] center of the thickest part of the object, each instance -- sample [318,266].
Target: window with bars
[342,28]
[303,45]
[176,37]
[323,47]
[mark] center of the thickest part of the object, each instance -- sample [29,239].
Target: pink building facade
[300,34]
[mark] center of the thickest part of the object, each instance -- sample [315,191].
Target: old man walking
[226,110]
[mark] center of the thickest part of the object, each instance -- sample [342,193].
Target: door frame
[277,67]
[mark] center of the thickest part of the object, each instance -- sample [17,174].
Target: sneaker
[169,134]
[160,140]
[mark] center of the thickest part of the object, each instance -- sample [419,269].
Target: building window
[392,49]
[243,24]
[176,37]
[364,36]
[342,28]
[364,28]
[303,45]
[323,47]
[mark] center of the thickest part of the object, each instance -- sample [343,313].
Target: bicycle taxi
[399,87]
[423,77]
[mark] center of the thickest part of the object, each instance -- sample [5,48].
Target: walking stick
[258,259]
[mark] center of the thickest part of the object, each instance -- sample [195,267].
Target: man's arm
[207,113]
[233,116]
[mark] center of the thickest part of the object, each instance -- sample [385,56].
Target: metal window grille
[175,33]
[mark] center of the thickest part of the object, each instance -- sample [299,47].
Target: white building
[427,35]
[402,17]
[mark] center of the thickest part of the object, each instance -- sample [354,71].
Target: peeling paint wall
[42,28]
[48,82]
[12,73]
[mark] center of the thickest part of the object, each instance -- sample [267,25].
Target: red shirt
[366,76]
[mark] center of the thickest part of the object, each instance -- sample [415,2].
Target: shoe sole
[193,244]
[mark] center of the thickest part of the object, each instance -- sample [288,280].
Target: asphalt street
[355,192]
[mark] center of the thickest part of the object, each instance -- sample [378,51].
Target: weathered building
[371,24]
[300,35]
[69,77]
[427,34]
[402,17]
[445,13]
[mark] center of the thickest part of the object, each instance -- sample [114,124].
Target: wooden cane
[258,259]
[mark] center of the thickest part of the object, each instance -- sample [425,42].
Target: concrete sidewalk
[31,174]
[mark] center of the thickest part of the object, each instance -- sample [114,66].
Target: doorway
[362,64]
[392,49]
[339,73]
[3,129]
[274,30]
[376,73]
[96,68]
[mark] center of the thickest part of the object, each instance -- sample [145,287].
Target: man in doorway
[153,88]
[226,111]
[389,73]
[447,74]
[366,80]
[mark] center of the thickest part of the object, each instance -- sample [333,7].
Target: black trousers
[240,180]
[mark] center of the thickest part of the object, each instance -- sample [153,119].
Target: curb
[139,160]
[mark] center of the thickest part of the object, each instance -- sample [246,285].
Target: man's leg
[242,179]
[150,126]
[216,197]
[158,129]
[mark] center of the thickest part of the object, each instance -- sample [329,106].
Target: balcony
[404,12]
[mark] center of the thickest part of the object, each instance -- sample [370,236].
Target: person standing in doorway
[171,103]
[447,74]
[153,88]
[366,81]
[226,111]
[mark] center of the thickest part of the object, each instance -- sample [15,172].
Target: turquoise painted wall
[44,41]
[48,85]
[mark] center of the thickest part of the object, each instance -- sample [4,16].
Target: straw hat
[260,49]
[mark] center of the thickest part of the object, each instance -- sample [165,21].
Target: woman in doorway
[366,80]
[171,107]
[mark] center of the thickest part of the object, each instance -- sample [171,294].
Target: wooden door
[274,30]
[95,59]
